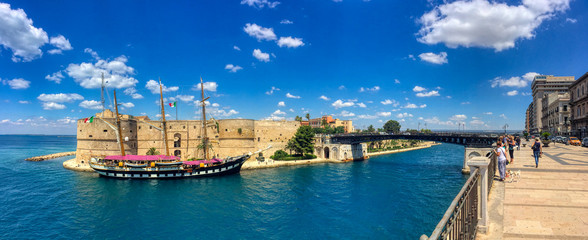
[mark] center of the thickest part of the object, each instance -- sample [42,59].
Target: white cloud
[167,115]
[91,104]
[423,106]
[340,104]
[366,116]
[92,52]
[361,105]
[60,97]
[346,114]
[418,89]
[571,20]
[18,34]
[208,86]
[288,95]
[127,105]
[403,115]
[215,105]
[503,116]
[61,44]
[222,112]
[465,103]
[518,82]
[323,97]
[277,115]
[525,94]
[476,122]
[153,86]
[116,73]
[411,105]
[481,23]
[233,68]
[261,56]
[290,42]
[188,98]
[440,58]
[271,91]
[341,87]
[281,104]
[286,21]
[260,3]
[384,114]
[390,102]
[133,93]
[236,48]
[410,56]
[433,93]
[24,102]
[436,121]
[459,117]
[487,113]
[53,106]
[396,81]
[17,83]
[512,93]
[291,110]
[374,89]
[55,77]
[259,32]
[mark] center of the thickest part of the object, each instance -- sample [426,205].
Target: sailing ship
[166,166]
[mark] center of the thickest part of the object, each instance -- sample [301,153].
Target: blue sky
[444,64]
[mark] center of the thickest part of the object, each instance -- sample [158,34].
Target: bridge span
[476,145]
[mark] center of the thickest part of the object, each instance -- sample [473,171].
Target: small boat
[166,166]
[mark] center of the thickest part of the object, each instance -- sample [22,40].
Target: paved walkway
[549,202]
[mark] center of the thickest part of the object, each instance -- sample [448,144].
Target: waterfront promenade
[549,202]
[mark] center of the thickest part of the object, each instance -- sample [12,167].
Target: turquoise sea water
[398,196]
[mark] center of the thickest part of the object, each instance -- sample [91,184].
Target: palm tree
[152,151]
[308,116]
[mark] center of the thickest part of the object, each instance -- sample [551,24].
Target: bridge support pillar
[470,153]
[482,164]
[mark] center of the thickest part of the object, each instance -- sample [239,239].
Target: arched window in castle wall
[178,153]
[177,140]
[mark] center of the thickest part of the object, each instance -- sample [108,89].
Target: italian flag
[172,104]
[89,120]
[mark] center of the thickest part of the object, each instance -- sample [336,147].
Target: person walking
[501,154]
[511,148]
[518,140]
[537,151]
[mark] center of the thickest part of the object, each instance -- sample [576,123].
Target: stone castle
[229,137]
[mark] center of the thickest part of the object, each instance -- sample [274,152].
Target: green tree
[426,131]
[526,135]
[298,118]
[324,123]
[371,129]
[308,116]
[545,135]
[302,142]
[152,151]
[392,126]
[339,129]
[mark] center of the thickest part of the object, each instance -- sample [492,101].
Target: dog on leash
[513,176]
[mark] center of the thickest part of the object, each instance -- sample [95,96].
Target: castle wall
[233,137]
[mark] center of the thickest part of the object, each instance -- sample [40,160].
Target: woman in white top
[501,154]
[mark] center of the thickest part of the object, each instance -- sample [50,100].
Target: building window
[150,127]
[105,130]
[90,136]
[184,127]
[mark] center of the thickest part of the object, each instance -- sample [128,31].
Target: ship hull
[228,168]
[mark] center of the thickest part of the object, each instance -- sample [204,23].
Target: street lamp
[505,127]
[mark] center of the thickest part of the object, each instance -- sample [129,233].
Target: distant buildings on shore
[328,120]
[560,106]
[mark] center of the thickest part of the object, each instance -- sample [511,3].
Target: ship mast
[120,139]
[102,94]
[204,136]
[163,117]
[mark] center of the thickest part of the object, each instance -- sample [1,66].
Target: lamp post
[505,127]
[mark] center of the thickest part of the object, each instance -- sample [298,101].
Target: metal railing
[461,218]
